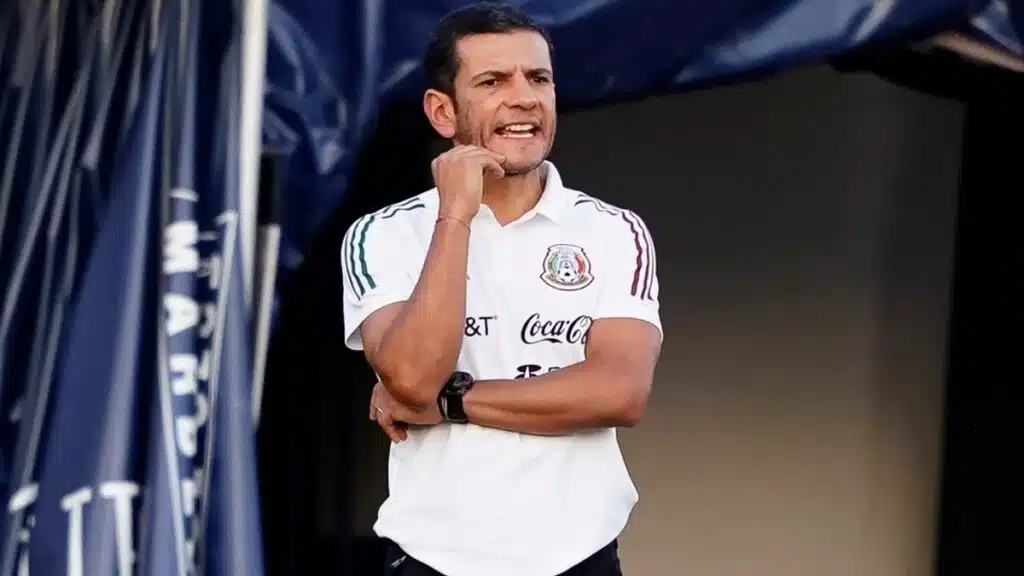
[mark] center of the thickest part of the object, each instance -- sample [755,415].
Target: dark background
[807,227]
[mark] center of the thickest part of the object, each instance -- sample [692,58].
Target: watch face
[461,380]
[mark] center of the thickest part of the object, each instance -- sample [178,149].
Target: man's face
[505,97]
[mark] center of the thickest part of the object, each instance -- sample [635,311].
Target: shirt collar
[555,198]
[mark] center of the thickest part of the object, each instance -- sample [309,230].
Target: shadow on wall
[804,227]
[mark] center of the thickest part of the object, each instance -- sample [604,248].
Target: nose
[522,93]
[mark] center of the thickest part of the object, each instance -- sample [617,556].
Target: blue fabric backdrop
[331,64]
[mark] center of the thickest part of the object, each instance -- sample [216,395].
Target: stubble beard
[464,136]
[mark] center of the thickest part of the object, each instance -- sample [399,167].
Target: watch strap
[449,400]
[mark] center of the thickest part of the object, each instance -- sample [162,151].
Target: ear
[440,111]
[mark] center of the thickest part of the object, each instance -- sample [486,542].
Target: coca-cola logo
[536,330]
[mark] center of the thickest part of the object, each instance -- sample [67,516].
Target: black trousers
[604,562]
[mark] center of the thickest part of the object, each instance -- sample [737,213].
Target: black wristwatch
[449,399]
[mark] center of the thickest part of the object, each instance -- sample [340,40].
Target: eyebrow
[505,74]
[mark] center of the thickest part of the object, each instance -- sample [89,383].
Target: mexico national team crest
[566,267]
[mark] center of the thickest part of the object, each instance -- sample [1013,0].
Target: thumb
[493,167]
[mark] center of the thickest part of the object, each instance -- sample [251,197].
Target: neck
[511,197]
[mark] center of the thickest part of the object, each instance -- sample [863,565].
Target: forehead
[506,52]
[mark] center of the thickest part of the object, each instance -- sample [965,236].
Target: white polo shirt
[475,501]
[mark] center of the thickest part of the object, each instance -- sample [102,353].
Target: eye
[489,82]
[541,79]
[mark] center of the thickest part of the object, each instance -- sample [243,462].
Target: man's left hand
[395,418]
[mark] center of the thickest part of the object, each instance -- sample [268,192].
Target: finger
[463,149]
[469,151]
[493,167]
[401,430]
[386,423]
[485,152]
[374,403]
[490,156]
[391,428]
[488,159]
[391,432]
[457,152]
[500,159]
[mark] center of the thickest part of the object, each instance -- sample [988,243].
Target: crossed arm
[609,388]
[408,321]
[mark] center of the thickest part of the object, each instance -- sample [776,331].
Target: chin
[520,167]
[519,164]
[520,157]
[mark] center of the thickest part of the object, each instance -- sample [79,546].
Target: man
[513,324]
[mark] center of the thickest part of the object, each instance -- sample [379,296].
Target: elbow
[413,379]
[408,394]
[409,386]
[630,406]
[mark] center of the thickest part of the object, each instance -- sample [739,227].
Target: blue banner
[89,485]
[18,257]
[179,410]
[131,449]
[48,248]
[211,510]
[229,512]
[332,64]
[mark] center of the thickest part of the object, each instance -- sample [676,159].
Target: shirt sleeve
[379,266]
[630,287]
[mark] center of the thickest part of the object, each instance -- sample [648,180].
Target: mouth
[518,131]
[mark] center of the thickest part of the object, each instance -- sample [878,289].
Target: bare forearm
[420,348]
[584,396]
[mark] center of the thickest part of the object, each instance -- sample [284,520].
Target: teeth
[518,130]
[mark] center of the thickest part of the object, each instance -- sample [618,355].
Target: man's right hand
[394,418]
[459,175]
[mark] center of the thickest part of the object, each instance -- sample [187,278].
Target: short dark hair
[441,60]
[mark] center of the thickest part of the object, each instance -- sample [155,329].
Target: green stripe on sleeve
[357,252]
